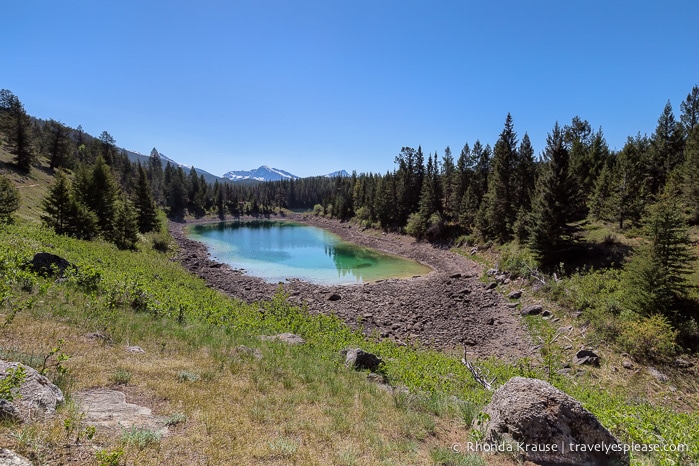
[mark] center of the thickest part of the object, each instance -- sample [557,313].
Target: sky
[317,86]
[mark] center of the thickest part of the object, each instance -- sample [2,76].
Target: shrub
[318,210]
[649,337]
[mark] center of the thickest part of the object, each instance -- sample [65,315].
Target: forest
[487,196]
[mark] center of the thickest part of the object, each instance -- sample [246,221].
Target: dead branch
[477,375]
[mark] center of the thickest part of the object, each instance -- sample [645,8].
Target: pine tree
[57,205]
[499,215]
[690,111]
[125,225]
[17,127]
[666,150]
[657,274]
[144,204]
[690,173]
[9,200]
[101,196]
[58,144]
[552,206]
[65,213]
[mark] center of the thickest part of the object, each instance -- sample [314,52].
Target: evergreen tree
[66,214]
[58,144]
[144,204]
[451,184]
[690,111]
[666,150]
[657,274]
[690,182]
[107,147]
[125,225]
[57,205]
[629,188]
[499,215]
[175,186]
[525,174]
[101,195]
[9,200]
[552,206]
[17,127]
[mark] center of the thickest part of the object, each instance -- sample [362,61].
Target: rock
[530,413]
[490,321]
[683,363]
[531,310]
[47,264]
[491,285]
[107,409]
[456,275]
[586,357]
[36,397]
[246,351]
[515,294]
[546,313]
[627,364]
[511,305]
[659,376]
[359,359]
[135,349]
[10,458]
[288,338]
[334,297]
[491,272]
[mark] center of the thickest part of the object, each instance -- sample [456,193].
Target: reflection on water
[279,250]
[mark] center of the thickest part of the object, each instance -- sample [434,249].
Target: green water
[278,250]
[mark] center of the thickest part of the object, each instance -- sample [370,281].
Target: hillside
[228,397]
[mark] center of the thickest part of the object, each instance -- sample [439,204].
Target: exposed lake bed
[447,308]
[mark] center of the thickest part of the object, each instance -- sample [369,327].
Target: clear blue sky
[313,87]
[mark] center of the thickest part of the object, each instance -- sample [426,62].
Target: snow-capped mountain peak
[263,173]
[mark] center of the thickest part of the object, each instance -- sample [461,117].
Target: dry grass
[285,408]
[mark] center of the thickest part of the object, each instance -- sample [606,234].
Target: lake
[276,250]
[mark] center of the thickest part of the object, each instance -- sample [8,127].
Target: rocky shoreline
[448,308]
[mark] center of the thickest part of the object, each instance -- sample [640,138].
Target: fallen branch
[476,373]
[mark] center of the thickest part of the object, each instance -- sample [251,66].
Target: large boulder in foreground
[546,426]
[36,397]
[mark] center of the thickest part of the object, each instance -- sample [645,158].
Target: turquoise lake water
[278,250]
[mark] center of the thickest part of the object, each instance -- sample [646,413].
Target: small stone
[659,376]
[288,338]
[626,364]
[10,458]
[334,297]
[546,313]
[531,310]
[359,359]
[683,363]
[491,285]
[135,349]
[515,294]
[491,321]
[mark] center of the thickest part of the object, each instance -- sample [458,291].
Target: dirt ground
[446,309]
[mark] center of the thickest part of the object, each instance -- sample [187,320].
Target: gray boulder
[36,397]
[288,338]
[544,425]
[10,458]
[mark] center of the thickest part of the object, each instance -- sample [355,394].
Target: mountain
[264,173]
[138,157]
[342,173]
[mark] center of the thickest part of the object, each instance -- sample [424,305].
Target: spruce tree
[144,204]
[657,274]
[9,200]
[690,173]
[500,213]
[125,224]
[666,150]
[58,146]
[101,196]
[553,202]
[56,205]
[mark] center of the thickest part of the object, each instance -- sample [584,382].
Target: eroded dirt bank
[447,308]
